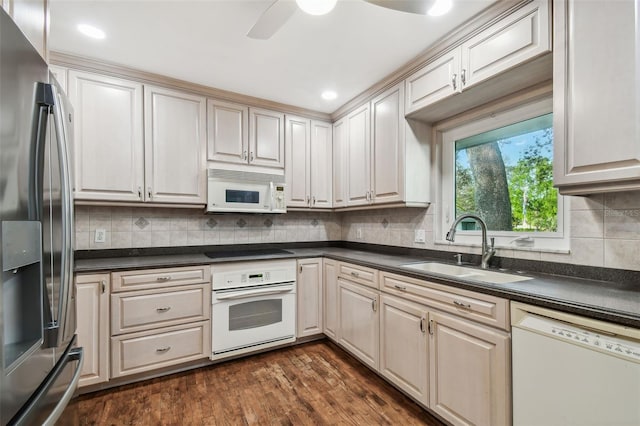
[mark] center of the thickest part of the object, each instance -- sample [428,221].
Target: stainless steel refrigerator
[40,365]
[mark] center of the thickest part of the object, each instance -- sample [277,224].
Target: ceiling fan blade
[272,19]
[419,7]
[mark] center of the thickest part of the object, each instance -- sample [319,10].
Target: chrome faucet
[487,250]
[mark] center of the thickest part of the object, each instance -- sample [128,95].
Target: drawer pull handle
[462,305]
[163,279]
[163,350]
[355,274]
[400,287]
[163,309]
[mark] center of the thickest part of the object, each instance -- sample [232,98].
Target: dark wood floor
[314,383]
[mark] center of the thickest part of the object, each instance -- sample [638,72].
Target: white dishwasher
[573,371]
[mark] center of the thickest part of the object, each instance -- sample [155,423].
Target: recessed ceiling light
[440,7]
[91,31]
[329,95]
[316,7]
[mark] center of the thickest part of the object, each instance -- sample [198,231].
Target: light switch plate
[420,236]
[101,236]
[359,233]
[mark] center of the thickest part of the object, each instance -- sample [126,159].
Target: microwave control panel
[278,197]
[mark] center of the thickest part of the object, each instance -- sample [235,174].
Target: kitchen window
[501,168]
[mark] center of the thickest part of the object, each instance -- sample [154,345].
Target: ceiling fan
[279,12]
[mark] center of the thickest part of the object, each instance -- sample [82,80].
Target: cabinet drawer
[139,352]
[479,307]
[359,274]
[154,278]
[146,309]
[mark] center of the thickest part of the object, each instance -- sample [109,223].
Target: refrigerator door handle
[76,354]
[44,101]
[65,301]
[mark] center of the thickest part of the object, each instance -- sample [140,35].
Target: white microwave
[232,191]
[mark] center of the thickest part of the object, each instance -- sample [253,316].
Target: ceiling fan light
[316,7]
[440,7]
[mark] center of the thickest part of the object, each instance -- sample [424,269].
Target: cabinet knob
[400,287]
[422,321]
[463,77]
[461,304]
[252,157]
[355,274]
[163,309]
[140,192]
[244,155]
[374,305]
[164,278]
[149,192]
[163,350]
[453,81]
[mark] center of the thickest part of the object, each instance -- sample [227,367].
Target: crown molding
[120,71]
[443,45]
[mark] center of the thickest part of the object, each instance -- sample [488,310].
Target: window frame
[447,136]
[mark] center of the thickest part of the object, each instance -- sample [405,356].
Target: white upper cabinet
[175,146]
[32,17]
[228,132]
[266,138]
[387,156]
[309,158]
[238,134]
[436,81]
[108,145]
[340,163]
[115,160]
[596,96]
[60,73]
[517,38]
[358,156]
[297,158]
[387,146]
[513,40]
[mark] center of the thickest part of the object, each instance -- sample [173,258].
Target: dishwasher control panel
[602,341]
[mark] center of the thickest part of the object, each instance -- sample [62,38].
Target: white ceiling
[348,50]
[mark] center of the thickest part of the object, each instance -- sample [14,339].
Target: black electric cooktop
[246,253]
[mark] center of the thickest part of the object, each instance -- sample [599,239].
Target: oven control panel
[252,273]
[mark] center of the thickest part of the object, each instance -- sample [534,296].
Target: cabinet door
[266,138]
[470,372]
[32,16]
[60,73]
[330,297]
[359,321]
[320,161]
[403,346]
[175,145]
[436,81]
[387,144]
[596,90]
[108,142]
[519,37]
[340,163]
[297,158]
[228,132]
[92,313]
[309,293]
[358,156]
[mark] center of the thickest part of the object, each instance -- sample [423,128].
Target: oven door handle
[251,293]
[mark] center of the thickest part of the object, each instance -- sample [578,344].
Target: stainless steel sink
[466,272]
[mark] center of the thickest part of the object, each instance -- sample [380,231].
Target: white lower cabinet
[403,346]
[159,318]
[92,318]
[470,381]
[309,294]
[359,323]
[330,298]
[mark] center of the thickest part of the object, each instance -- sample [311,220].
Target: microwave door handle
[251,293]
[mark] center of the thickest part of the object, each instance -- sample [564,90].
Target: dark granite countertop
[610,300]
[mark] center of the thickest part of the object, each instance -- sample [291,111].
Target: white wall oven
[254,306]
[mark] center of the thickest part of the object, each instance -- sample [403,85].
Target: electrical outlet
[101,236]
[420,236]
[359,233]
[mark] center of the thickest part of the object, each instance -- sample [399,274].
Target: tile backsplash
[164,227]
[604,229]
